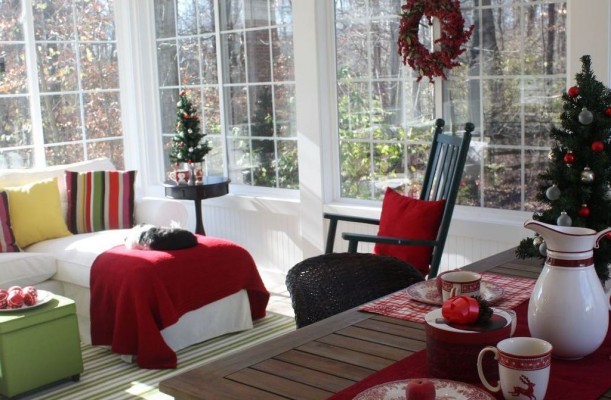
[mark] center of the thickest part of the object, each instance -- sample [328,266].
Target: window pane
[186,17]
[96,20]
[11,21]
[166,61]
[53,20]
[57,67]
[237,121]
[112,149]
[288,166]
[233,46]
[501,182]
[61,118]
[99,66]
[232,14]
[165,25]
[259,68]
[206,16]
[189,61]
[262,111]
[15,122]
[102,115]
[282,53]
[256,14]
[208,60]
[64,154]
[14,79]
[284,101]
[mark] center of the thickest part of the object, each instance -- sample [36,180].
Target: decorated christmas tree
[188,144]
[575,187]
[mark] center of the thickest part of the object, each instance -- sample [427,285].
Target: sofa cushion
[36,212]
[7,238]
[75,254]
[100,200]
[25,269]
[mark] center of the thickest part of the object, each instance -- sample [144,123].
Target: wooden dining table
[321,359]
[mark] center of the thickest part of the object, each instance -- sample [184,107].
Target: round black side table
[212,186]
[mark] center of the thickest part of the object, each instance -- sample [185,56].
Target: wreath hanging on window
[449,44]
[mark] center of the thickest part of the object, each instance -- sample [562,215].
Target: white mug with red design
[524,365]
[459,283]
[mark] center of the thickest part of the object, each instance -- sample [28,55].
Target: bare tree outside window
[76,70]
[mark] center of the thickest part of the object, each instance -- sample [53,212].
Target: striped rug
[107,377]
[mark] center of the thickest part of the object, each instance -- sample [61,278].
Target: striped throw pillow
[7,238]
[100,200]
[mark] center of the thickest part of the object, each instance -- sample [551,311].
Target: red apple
[420,389]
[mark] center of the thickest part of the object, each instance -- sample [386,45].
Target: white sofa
[62,265]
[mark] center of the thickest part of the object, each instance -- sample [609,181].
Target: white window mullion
[33,88]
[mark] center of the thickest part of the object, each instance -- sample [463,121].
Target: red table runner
[399,304]
[137,293]
[584,379]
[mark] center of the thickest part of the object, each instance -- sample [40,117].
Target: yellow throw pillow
[36,212]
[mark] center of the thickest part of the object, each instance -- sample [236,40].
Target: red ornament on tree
[573,91]
[584,211]
[598,146]
[569,158]
[608,111]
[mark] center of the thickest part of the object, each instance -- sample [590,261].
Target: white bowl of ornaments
[18,298]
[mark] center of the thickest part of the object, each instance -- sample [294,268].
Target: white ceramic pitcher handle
[480,370]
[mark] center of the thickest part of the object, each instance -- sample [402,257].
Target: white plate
[43,297]
[445,389]
[426,292]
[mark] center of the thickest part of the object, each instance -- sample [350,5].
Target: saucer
[445,389]
[426,292]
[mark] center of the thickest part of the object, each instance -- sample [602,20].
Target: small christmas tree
[187,144]
[575,186]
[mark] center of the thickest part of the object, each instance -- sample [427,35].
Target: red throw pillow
[404,217]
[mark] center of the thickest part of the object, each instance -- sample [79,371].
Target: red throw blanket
[137,293]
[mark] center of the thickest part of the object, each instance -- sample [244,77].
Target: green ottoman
[39,346]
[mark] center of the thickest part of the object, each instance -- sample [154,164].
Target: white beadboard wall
[270,230]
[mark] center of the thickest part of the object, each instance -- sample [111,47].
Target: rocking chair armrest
[355,238]
[350,218]
[334,218]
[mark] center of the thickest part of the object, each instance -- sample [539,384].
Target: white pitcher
[568,306]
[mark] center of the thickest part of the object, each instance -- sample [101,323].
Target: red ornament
[460,310]
[569,158]
[584,211]
[598,146]
[573,91]
[608,111]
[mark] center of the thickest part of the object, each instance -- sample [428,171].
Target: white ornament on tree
[587,175]
[564,219]
[543,249]
[585,117]
[552,193]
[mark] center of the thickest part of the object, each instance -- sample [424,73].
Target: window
[510,85]
[510,82]
[59,83]
[235,59]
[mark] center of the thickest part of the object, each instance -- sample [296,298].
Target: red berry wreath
[449,44]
